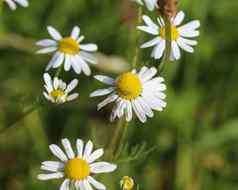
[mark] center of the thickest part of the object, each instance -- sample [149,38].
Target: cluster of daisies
[137,92]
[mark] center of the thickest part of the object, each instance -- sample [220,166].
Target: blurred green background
[194,141]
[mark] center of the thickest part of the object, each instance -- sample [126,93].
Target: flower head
[150,4]
[179,35]
[133,91]
[57,91]
[76,169]
[127,183]
[68,51]
[13,3]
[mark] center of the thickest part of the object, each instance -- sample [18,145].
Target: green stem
[137,38]
[25,114]
[166,58]
[58,71]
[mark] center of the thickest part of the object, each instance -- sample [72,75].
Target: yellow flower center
[57,94]
[174,33]
[127,183]
[76,169]
[129,86]
[69,46]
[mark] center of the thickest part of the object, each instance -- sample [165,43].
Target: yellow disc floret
[174,33]
[76,169]
[57,94]
[127,183]
[69,46]
[129,86]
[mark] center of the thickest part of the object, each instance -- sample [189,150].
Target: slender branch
[137,38]
[166,58]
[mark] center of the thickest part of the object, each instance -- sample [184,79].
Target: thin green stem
[166,58]
[57,74]
[137,38]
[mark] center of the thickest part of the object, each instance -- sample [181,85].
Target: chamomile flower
[133,91]
[68,51]
[13,3]
[150,4]
[76,169]
[127,183]
[180,35]
[57,91]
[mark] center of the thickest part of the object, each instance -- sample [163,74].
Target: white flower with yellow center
[76,169]
[57,91]
[68,51]
[13,3]
[150,4]
[132,91]
[179,36]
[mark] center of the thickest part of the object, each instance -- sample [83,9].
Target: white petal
[139,111]
[193,25]
[46,43]
[11,4]
[105,79]
[75,32]
[23,3]
[111,98]
[95,155]
[159,50]
[148,30]
[145,107]
[79,145]
[176,51]
[54,33]
[149,74]
[52,61]
[128,111]
[76,65]
[68,148]
[179,18]
[52,166]
[58,152]
[84,66]
[72,85]
[47,50]
[65,185]
[48,81]
[150,22]
[96,184]
[102,167]
[102,92]
[59,61]
[57,175]
[189,33]
[56,83]
[188,41]
[67,64]
[152,42]
[89,47]
[184,46]
[88,57]
[88,150]
[72,97]
[87,186]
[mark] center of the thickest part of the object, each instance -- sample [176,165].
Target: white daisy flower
[133,91]
[179,35]
[150,4]
[57,91]
[68,51]
[13,3]
[76,169]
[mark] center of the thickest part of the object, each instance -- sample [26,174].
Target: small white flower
[57,91]
[76,169]
[179,35]
[132,91]
[150,4]
[13,6]
[68,51]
